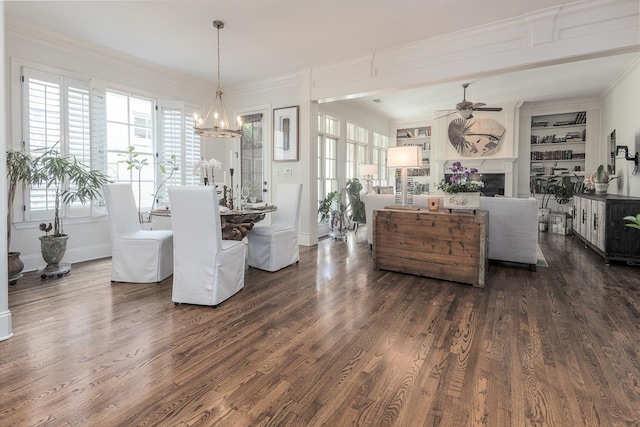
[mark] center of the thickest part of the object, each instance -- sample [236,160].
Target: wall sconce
[635,159]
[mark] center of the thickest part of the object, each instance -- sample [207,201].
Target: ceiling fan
[466,108]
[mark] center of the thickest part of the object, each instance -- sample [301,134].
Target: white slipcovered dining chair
[207,269]
[137,255]
[273,247]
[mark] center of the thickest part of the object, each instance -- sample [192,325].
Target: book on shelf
[539,123]
[581,118]
[555,155]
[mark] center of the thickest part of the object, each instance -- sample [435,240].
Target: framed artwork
[285,134]
[475,137]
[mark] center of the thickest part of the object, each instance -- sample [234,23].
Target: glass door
[253,155]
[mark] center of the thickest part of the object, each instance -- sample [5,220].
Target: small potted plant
[334,209]
[354,187]
[599,179]
[461,192]
[133,162]
[71,181]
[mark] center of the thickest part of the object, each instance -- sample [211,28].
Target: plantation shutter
[42,121]
[192,150]
[176,137]
[79,133]
[170,144]
[98,139]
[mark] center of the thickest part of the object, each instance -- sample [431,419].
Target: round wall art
[475,137]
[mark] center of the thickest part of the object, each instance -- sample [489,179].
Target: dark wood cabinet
[598,222]
[443,245]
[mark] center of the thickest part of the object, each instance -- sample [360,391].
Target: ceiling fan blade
[488,109]
[478,105]
[445,115]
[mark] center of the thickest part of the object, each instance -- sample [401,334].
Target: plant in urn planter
[20,171]
[461,192]
[71,181]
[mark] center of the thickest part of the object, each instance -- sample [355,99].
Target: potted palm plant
[20,171]
[71,181]
[333,208]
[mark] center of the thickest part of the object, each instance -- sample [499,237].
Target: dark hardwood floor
[331,342]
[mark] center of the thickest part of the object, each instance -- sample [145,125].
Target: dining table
[235,223]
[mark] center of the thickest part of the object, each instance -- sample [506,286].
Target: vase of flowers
[461,192]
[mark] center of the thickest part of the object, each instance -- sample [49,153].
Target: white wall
[5,314]
[284,91]
[621,111]
[89,239]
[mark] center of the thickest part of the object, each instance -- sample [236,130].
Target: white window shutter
[176,137]
[79,133]
[98,139]
[42,121]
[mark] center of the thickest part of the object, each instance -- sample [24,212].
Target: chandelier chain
[219,82]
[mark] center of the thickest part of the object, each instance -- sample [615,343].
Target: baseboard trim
[85,253]
[5,325]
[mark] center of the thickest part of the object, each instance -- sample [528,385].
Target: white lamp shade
[409,156]
[366,169]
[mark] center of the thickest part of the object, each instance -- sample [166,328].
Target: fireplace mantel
[493,165]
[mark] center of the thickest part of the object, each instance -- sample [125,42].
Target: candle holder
[230,202]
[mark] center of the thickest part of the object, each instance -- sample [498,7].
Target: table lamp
[368,171]
[409,156]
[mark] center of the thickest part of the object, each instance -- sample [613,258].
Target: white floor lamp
[368,171]
[409,156]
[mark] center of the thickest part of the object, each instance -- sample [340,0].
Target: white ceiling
[266,38]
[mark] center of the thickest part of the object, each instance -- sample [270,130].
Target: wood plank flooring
[331,342]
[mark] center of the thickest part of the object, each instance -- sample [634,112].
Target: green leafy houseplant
[332,207]
[71,180]
[172,167]
[634,221]
[133,162]
[354,187]
[20,171]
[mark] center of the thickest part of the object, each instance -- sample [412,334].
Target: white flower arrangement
[203,167]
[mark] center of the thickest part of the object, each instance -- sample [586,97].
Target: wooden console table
[442,245]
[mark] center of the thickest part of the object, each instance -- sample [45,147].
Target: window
[130,123]
[251,153]
[177,144]
[357,141]
[56,113]
[327,155]
[96,125]
[380,145]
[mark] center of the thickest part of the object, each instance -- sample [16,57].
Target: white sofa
[513,225]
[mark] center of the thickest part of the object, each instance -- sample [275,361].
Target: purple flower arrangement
[459,182]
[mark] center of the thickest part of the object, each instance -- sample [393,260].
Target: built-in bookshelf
[558,144]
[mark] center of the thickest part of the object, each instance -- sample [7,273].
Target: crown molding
[631,66]
[556,34]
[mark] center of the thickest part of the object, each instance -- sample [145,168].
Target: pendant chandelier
[221,127]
